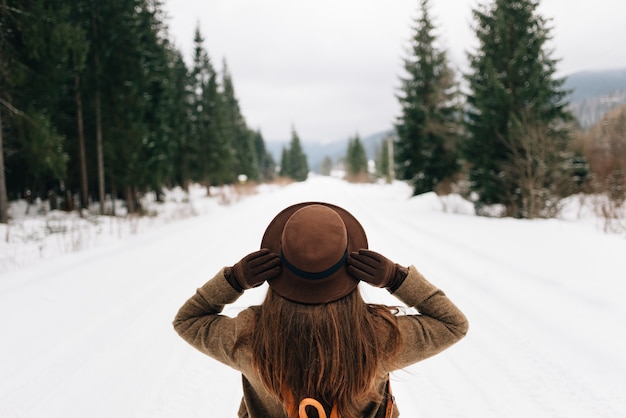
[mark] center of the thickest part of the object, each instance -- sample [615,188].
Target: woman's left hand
[254,269]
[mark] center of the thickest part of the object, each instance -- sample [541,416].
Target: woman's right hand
[376,269]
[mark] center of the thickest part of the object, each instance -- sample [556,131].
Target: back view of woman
[313,340]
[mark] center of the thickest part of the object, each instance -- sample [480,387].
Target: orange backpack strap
[390,401]
[304,403]
[318,406]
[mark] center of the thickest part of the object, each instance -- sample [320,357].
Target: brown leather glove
[376,269]
[252,270]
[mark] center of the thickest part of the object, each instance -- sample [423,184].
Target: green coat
[438,325]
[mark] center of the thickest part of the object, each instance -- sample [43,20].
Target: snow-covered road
[89,334]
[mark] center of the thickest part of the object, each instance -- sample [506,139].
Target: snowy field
[88,334]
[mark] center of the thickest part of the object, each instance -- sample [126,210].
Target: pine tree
[356,160]
[265,161]
[240,137]
[78,54]
[384,155]
[514,100]
[96,51]
[294,162]
[9,64]
[178,124]
[428,128]
[285,163]
[39,58]
[299,164]
[203,114]
[156,147]
[4,199]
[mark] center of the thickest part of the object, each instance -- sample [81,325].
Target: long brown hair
[332,352]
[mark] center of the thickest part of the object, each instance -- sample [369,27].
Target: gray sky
[330,68]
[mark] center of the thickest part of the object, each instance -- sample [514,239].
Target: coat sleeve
[199,321]
[438,325]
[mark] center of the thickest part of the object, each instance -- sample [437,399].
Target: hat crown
[314,238]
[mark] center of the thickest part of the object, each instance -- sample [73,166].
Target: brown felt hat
[314,240]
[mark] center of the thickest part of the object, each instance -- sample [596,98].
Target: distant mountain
[594,93]
[589,84]
[336,150]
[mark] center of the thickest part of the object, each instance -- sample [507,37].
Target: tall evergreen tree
[240,136]
[207,151]
[4,198]
[178,125]
[356,159]
[513,95]
[265,161]
[42,55]
[8,65]
[384,156]
[299,163]
[158,146]
[96,52]
[428,128]
[285,163]
[294,163]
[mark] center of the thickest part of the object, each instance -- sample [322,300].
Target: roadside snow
[88,333]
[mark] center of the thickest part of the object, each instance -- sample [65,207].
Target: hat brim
[307,291]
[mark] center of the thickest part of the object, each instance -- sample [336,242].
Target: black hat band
[314,276]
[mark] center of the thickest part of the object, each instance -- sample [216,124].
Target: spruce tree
[178,125]
[5,64]
[294,162]
[515,103]
[240,137]
[157,147]
[10,69]
[299,164]
[356,160]
[41,49]
[285,163]
[384,167]
[265,161]
[428,128]
[203,114]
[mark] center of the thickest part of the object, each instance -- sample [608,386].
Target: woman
[314,341]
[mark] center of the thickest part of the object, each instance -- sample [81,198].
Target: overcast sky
[330,68]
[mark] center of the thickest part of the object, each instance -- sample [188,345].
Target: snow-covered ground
[88,333]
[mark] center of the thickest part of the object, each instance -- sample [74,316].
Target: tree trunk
[99,150]
[185,166]
[4,201]
[390,160]
[101,190]
[130,200]
[113,196]
[81,143]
